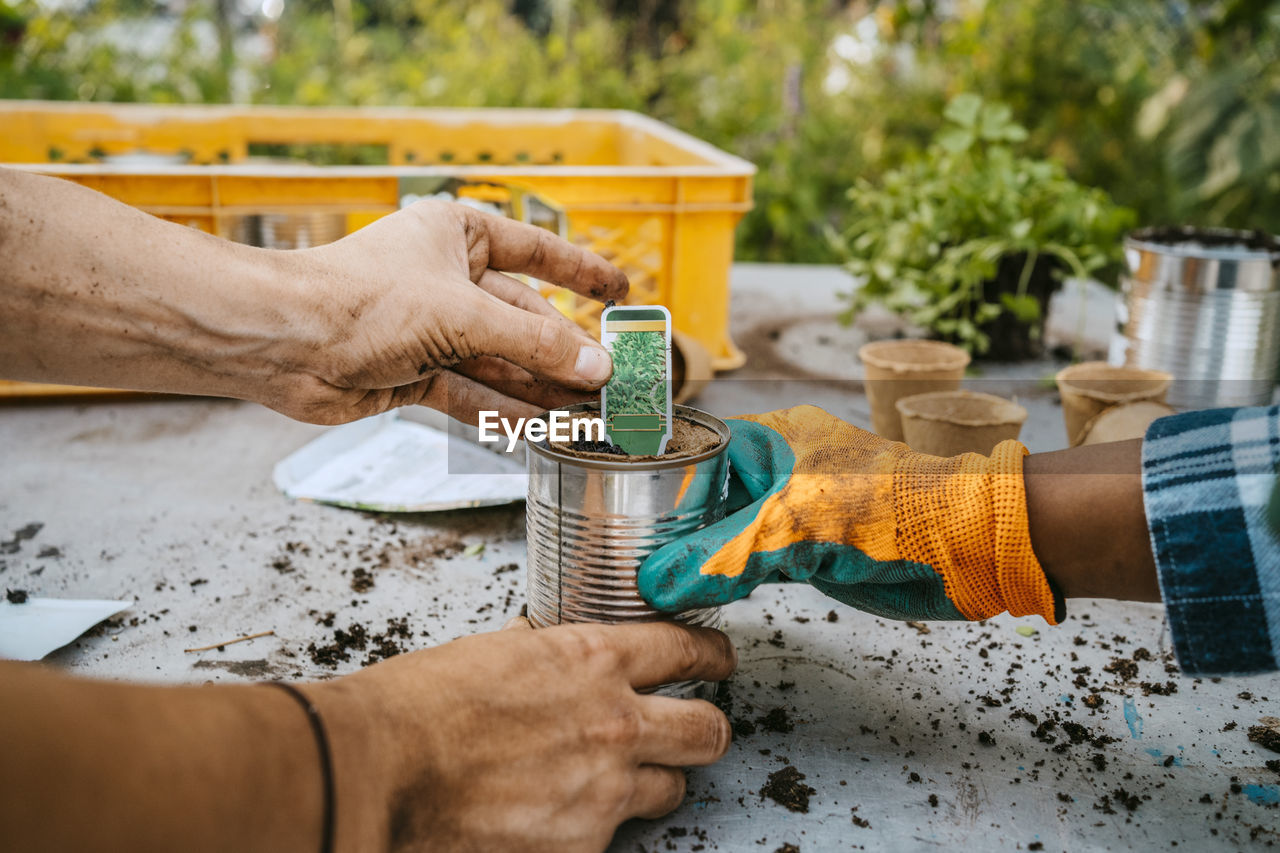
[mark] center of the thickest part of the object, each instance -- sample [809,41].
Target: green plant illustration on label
[636,403]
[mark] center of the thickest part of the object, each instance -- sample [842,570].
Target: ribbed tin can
[287,230]
[591,523]
[1203,305]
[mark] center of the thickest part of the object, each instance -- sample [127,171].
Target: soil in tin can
[687,439]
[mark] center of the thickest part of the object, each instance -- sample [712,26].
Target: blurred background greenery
[1171,107]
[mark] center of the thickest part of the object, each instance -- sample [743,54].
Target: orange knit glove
[866,520]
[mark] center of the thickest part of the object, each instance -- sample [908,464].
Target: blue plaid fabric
[1207,478]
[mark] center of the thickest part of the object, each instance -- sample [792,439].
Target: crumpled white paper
[31,630]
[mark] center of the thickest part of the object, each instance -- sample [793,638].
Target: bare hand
[522,740]
[413,309]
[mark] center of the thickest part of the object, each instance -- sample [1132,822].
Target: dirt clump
[777,721]
[1267,737]
[786,789]
[16,596]
[1166,689]
[361,580]
[1123,668]
[356,638]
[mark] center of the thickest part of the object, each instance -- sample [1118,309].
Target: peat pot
[593,518]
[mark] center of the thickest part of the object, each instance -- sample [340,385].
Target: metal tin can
[1203,305]
[592,522]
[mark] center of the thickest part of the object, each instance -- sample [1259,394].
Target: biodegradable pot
[948,423]
[904,368]
[592,519]
[690,367]
[1092,386]
[1123,422]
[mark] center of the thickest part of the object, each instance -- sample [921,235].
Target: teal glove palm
[865,520]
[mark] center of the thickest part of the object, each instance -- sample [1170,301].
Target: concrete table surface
[910,736]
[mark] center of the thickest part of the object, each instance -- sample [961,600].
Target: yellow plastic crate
[658,203]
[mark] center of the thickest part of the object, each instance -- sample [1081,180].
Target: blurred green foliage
[1173,108]
[929,241]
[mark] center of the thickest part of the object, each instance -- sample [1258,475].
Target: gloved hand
[868,521]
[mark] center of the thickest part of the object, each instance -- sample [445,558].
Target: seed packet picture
[636,402]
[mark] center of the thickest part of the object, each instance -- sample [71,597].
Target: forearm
[95,292]
[152,768]
[1088,522]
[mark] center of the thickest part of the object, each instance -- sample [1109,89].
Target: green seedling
[636,403]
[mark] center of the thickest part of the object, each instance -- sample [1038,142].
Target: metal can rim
[710,421]
[1166,241]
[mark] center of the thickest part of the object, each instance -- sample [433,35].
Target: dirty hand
[521,740]
[415,309]
[866,520]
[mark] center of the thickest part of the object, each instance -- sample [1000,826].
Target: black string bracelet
[326,761]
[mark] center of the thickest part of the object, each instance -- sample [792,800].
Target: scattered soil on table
[16,596]
[257,668]
[787,848]
[687,439]
[1267,737]
[1123,668]
[777,721]
[1166,689]
[420,553]
[356,638]
[785,788]
[13,544]
[361,580]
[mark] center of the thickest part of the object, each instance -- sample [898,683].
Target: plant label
[636,403]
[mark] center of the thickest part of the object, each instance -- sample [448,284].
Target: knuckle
[554,344]
[615,790]
[687,654]
[588,647]
[622,728]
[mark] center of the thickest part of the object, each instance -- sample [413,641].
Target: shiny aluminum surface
[287,230]
[591,523]
[1205,306]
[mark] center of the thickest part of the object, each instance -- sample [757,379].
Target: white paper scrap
[389,464]
[31,630]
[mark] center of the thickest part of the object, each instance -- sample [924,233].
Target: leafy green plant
[638,385]
[970,233]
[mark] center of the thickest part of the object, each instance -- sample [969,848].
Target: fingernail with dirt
[593,365]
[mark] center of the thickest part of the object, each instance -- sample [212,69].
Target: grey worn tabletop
[1080,737]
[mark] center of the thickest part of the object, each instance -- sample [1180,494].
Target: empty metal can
[591,522]
[287,230]
[1203,305]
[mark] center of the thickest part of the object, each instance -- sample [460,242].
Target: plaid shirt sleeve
[1207,478]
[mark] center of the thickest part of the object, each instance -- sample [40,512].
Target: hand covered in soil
[414,309]
[867,521]
[522,740]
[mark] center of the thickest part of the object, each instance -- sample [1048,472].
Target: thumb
[546,346]
[707,568]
